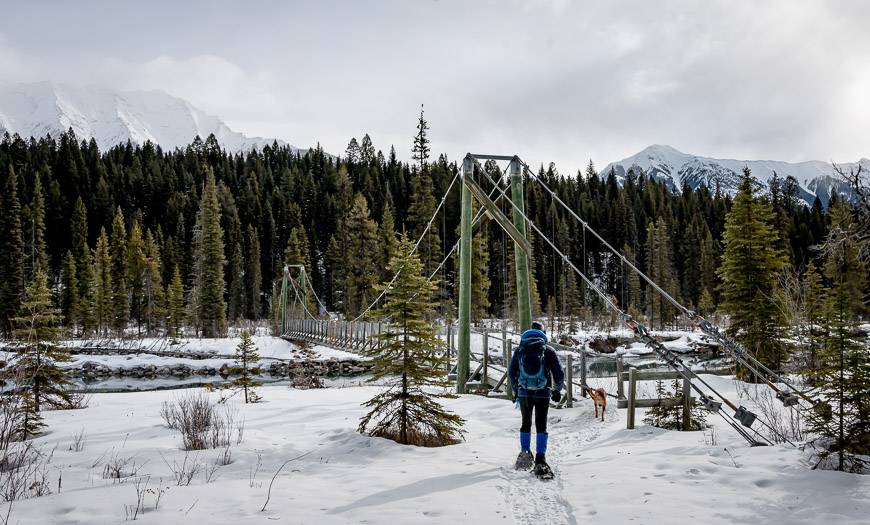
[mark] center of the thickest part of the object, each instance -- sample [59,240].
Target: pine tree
[387,239]
[103,295]
[175,309]
[409,359]
[479,274]
[420,210]
[253,276]
[135,272]
[37,354]
[69,293]
[421,143]
[361,272]
[209,263]
[11,253]
[118,252]
[246,358]
[236,305]
[660,269]
[844,372]
[750,263]
[154,297]
[84,268]
[38,255]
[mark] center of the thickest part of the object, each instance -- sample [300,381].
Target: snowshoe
[524,461]
[543,471]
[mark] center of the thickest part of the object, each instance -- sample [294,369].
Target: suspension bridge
[480,370]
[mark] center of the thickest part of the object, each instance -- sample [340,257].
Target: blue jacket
[532,343]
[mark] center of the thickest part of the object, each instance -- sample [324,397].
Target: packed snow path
[603,472]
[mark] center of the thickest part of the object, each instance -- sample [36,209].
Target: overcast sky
[549,80]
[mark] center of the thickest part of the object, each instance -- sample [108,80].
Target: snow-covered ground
[604,473]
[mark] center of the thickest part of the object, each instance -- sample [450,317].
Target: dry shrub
[203,423]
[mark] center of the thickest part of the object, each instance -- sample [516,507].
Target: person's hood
[533,334]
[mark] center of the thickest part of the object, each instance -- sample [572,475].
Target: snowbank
[604,473]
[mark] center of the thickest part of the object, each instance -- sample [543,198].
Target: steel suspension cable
[413,250]
[737,352]
[643,334]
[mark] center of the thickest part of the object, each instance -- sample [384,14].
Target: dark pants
[540,406]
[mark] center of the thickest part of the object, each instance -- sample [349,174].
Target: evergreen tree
[844,372]
[361,272]
[209,263]
[37,354]
[11,253]
[479,274]
[387,239]
[103,295]
[69,293]
[421,143]
[237,286]
[135,272]
[253,276]
[84,268]
[118,253]
[750,263]
[38,255]
[175,304]
[246,358]
[660,268]
[420,210]
[154,297]
[409,358]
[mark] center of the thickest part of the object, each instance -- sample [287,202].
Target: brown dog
[599,397]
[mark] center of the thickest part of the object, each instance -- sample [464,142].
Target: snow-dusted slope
[675,168]
[112,117]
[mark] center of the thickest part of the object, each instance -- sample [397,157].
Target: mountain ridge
[674,168]
[111,117]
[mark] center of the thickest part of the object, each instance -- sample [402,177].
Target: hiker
[536,377]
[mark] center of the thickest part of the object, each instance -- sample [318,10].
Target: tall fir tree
[69,293]
[11,253]
[660,269]
[209,263]
[120,293]
[844,371]
[253,275]
[84,267]
[410,360]
[361,272]
[175,308]
[36,248]
[154,307]
[236,304]
[750,263]
[421,148]
[103,290]
[135,272]
[36,366]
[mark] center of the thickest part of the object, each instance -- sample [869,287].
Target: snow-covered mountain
[111,117]
[675,168]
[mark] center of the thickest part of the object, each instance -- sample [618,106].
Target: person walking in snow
[536,377]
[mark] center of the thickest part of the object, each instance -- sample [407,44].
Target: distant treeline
[134,210]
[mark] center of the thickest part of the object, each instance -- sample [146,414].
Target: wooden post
[620,388]
[583,373]
[687,405]
[485,380]
[570,383]
[632,394]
